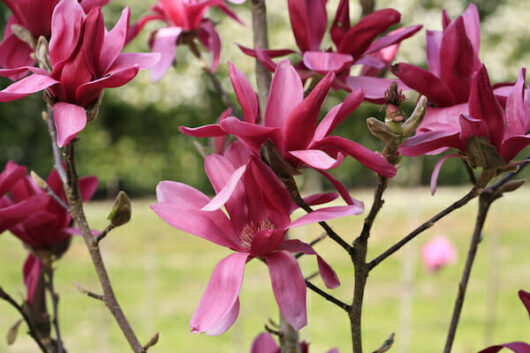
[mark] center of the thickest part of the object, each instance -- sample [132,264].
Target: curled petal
[221,294]
[67,25]
[69,119]
[437,168]
[226,192]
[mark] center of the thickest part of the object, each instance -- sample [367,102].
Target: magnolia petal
[89,4]
[265,241]
[517,119]
[221,294]
[374,87]
[226,192]
[141,60]
[271,53]
[114,41]
[514,145]
[211,41]
[321,198]
[67,25]
[517,347]
[212,130]
[264,343]
[326,272]
[434,42]
[327,213]
[308,21]
[88,186]
[437,168]
[226,322]
[323,62]
[69,119]
[431,141]
[25,86]
[340,188]
[251,134]
[472,127]
[289,287]
[10,176]
[525,298]
[341,23]
[472,25]
[12,214]
[245,94]
[165,43]
[317,159]
[484,106]
[437,119]
[31,272]
[228,11]
[286,92]
[392,38]
[426,83]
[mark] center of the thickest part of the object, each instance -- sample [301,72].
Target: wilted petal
[220,295]
[69,119]
[289,288]
[437,168]
[165,43]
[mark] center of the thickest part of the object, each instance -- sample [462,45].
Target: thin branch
[88,293]
[55,304]
[32,332]
[368,7]
[327,296]
[485,201]
[103,234]
[78,215]
[377,204]
[510,175]
[44,185]
[456,205]
[470,173]
[58,164]
[313,242]
[387,344]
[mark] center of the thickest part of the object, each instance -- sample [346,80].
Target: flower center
[250,230]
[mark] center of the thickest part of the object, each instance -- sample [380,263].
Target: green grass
[159,275]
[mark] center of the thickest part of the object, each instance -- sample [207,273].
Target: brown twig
[55,305]
[103,234]
[368,7]
[261,40]
[327,296]
[78,215]
[456,205]
[88,293]
[32,332]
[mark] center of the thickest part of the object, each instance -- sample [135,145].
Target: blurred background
[159,273]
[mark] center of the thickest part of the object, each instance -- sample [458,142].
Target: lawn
[159,275]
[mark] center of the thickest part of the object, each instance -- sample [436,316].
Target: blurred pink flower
[183,17]
[438,252]
[85,58]
[253,226]
[265,343]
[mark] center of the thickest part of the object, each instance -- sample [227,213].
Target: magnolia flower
[438,252]
[291,123]
[355,45]
[265,343]
[36,17]
[46,229]
[517,347]
[184,18]
[254,226]
[84,59]
[489,136]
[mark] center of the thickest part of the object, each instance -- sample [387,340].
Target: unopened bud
[481,153]
[275,160]
[121,211]
[24,35]
[42,54]
[12,333]
[512,185]
[41,183]
[152,341]
[381,130]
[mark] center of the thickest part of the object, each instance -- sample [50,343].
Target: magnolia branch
[261,40]
[55,304]
[78,215]
[32,331]
[327,296]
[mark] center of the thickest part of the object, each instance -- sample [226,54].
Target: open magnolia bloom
[84,58]
[517,347]
[291,124]
[36,17]
[47,228]
[265,343]
[354,45]
[254,225]
[488,136]
[184,18]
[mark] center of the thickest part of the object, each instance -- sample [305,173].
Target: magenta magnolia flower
[85,58]
[265,343]
[506,131]
[36,17]
[254,226]
[40,221]
[517,347]
[355,45]
[11,214]
[438,252]
[291,123]
[183,17]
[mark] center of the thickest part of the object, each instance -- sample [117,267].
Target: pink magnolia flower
[517,347]
[45,224]
[265,343]
[355,45]
[85,58]
[11,214]
[183,17]
[506,131]
[254,226]
[291,123]
[36,17]
[438,252]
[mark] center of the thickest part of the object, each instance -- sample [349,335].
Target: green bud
[481,153]
[121,211]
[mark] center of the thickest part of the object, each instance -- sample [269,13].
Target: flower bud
[42,54]
[381,130]
[510,186]
[41,183]
[481,153]
[121,211]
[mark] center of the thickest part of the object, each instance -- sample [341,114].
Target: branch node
[88,293]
